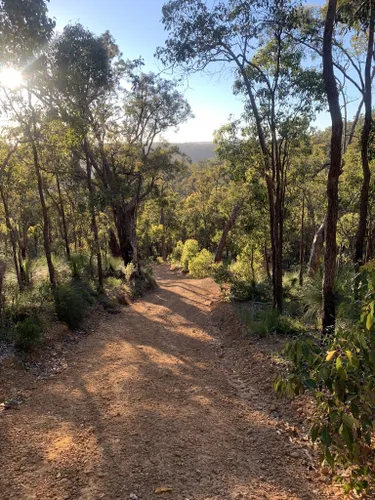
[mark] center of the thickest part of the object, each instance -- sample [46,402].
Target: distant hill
[197,151]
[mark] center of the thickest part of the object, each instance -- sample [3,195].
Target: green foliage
[71,303]
[189,251]
[28,333]
[78,264]
[200,265]
[339,372]
[271,321]
[129,272]
[176,255]
[243,290]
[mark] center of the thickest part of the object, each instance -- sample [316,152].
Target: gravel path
[147,401]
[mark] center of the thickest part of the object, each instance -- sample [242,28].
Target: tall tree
[25,29]
[251,37]
[334,172]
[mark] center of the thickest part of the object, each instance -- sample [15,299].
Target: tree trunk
[126,225]
[227,228]
[46,222]
[316,250]
[113,244]
[94,226]
[266,260]
[302,242]
[252,265]
[329,313]
[365,138]
[63,218]
[12,238]
[162,222]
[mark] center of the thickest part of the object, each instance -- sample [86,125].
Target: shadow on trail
[149,406]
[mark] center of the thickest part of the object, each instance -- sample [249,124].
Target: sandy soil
[166,394]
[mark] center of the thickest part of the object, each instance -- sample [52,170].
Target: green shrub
[200,265]
[244,290]
[71,303]
[271,321]
[190,250]
[129,272]
[77,263]
[248,265]
[177,252]
[338,370]
[28,333]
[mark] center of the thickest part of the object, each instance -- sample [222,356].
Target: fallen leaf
[164,489]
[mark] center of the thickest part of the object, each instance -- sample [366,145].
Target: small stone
[294,454]
[133,496]
[58,475]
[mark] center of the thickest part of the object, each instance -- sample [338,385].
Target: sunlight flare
[10,78]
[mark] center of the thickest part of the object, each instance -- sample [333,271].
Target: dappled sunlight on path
[146,403]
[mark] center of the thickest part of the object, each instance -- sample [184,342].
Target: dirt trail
[146,402]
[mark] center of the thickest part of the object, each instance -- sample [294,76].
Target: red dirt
[164,394]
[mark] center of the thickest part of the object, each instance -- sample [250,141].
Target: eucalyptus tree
[334,172]
[354,65]
[25,28]
[279,92]
[132,162]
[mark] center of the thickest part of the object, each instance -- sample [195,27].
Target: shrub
[77,263]
[189,251]
[244,290]
[271,321]
[248,266]
[338,370]
[129,272]
[71,303]
[28,333]
[200,265]
[177,252]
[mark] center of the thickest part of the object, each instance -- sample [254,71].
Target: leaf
[338,364]
[314,433]
[330,355]
[347,435]
[349,421]
[329,458]
[310,384]
[163,489]
[350,356]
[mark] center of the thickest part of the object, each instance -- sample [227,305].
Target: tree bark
[329,312]
[316,250]
[365,138]
[63,218]
[113,244]
[162,222]
[94,226]
[12,238]
[227,228]
[126,225]
[302,242]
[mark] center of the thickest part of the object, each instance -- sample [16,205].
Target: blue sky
[136,26]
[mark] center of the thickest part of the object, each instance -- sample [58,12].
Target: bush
[200,265]
[189,251]
[28,333]
[338,370]
[129,272]
[177,252]
[77,263]
[72,302]
[271,321]
[244,290]
[248,265]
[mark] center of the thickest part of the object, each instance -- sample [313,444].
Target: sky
[137,28]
